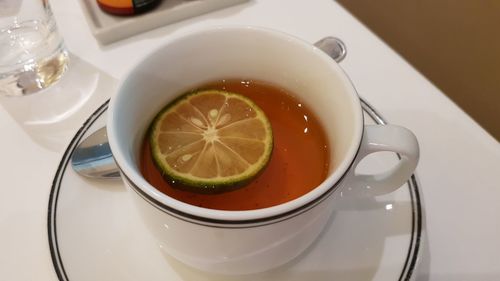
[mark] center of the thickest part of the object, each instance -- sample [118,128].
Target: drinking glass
[32,52]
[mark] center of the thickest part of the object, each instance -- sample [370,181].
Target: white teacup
[241,242]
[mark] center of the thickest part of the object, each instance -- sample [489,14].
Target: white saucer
[95,234]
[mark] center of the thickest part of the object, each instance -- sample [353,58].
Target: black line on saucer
[416,214]
[404,272]
[416,231]
[54,193]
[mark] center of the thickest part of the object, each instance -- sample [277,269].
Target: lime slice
[211,141]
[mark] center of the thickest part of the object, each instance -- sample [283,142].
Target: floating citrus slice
[211,141]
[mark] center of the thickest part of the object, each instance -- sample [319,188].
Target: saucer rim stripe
[54,193]
[416,214]
[416,235]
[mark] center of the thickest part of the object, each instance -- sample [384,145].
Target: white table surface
[459,170]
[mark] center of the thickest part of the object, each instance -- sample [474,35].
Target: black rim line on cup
[249,223]
[234,223]
[416,230]
[239,223]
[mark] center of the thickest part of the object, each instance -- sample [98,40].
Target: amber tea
[300,159]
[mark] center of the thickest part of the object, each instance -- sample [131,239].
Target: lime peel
[211,141]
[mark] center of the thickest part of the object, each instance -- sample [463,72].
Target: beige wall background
[454,43]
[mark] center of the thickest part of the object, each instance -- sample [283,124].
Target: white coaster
[109,28]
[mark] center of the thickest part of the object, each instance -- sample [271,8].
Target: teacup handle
[379,138]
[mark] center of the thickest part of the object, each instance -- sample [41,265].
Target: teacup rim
[243,217]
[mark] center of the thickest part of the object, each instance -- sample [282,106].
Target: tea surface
[299,162]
